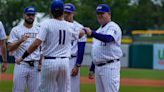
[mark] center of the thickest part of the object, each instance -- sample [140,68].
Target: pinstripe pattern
[49,34]
[77,27]
[16,34]
[56,36]
[55,75]
[107,51]
[107,76]
[75,80]
[24,75]
[2,32]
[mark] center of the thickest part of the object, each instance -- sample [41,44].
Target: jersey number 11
[62,34]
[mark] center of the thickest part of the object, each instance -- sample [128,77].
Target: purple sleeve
[92,68]
[102,37]
[80,52]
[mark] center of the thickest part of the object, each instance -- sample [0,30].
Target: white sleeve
[84,37]
[78,28]
[75,34]
[42,32]
[13,36]
[2,32]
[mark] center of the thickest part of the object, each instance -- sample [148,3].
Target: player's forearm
[92,68]
[80,53]
[14,46]
[32,48]
[4,52]
[102,37]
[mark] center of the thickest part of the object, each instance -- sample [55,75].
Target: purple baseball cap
[30,10]
[69,7]
[103,8]
[57,5]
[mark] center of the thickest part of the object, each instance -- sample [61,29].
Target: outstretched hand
[88,31]
[81,33]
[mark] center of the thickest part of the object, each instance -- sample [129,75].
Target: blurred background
[142,24]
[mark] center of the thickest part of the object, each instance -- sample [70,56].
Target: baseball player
[77,50]
[3,48]
[26,74]
[106,51]
[56,36]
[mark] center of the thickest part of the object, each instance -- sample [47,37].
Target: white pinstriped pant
[75,80]
[55,75]
[108,77]
[26,76]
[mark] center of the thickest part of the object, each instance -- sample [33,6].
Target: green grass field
[6,86]
[135,73]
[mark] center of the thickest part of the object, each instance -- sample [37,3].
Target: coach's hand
[75,71]
[18,60]
[4,67]
[91,75]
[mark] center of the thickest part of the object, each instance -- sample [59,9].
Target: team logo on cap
[31,9]
[67,7]
[99,7]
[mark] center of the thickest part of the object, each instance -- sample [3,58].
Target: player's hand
[75,71]
[4,67]
[88,31]
[91,75]
[18,60]
[82,33]
[24,38]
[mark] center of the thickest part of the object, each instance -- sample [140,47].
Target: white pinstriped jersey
[77,27]
[2,32]
[16,34]
[56,36]
[107,51]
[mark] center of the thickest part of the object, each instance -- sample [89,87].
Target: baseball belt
[107,62]
[72,56]
[31,63]
[53,57]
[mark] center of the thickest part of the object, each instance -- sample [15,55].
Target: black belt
[72,56]
[53,57]
[31,63]
[107,62]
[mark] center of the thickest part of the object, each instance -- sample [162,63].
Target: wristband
[78,65]
[25,54]
[85,31]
